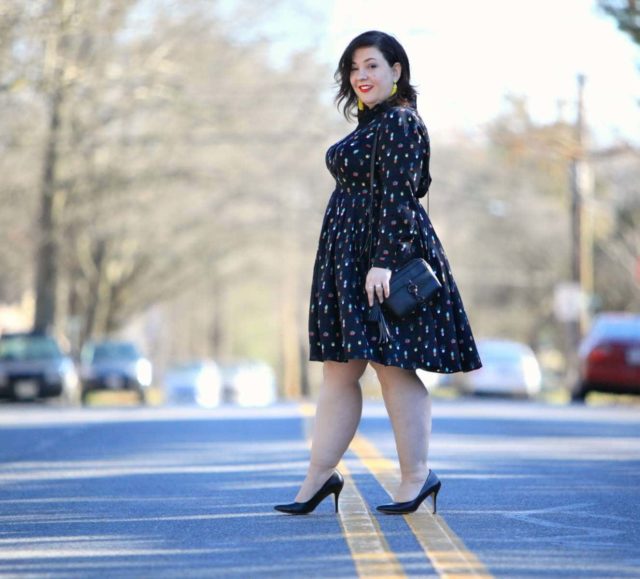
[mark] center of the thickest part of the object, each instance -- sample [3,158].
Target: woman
[374,77]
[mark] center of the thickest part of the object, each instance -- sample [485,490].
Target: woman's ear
[397,71]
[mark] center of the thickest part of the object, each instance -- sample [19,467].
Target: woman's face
[371,76]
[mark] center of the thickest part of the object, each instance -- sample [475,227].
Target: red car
[609,356]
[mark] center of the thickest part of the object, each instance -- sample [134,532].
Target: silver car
[116,366]
[509,368]
[198,382]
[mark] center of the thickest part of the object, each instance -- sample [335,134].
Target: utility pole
[577,160]
[581,183]
[582,215]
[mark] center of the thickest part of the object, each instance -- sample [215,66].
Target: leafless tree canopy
[157,164]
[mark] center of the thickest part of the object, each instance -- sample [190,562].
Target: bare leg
[409,407]
[337,417]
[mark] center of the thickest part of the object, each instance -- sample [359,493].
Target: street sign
[568,301]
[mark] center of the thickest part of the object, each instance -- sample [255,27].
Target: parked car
[198,382]
[32,365]
[609,356]
[114,365]
[249,383]
[509,368]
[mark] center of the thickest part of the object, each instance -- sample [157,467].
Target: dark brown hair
[392,50]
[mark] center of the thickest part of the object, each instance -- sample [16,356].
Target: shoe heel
[435,496]
[336,497]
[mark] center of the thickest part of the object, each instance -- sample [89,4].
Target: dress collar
[367,115]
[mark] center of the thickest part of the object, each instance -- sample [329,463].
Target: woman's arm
[403,154]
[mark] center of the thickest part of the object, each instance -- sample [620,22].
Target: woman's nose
[362,74]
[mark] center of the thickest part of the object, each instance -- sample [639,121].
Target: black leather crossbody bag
[411,284]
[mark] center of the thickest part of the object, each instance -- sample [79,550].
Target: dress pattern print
[436,336]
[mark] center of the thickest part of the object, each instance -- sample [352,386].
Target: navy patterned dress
[436,336]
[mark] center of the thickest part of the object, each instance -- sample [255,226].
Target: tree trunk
[93,315]
[218,337]
[47,251]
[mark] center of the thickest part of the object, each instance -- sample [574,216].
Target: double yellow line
[369,548]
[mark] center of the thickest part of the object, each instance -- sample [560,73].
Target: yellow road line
[369,548]
[446,551]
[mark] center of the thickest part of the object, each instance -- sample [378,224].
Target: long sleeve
[403,175]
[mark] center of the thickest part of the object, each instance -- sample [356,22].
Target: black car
[32,365]
[114,365]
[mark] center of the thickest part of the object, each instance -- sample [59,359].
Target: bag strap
[375,312]
[368,243]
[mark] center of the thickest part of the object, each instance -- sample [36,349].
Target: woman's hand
[378,282]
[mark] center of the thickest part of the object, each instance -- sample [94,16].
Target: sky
[467,55]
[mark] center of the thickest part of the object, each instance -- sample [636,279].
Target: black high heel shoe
[333,485]
[431,486]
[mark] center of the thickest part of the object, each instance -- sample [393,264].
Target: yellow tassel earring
[394,90]
[360,105]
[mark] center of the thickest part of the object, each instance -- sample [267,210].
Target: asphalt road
[529,490]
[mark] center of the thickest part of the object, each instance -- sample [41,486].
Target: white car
[509,368]
[250,383]
[198,382]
